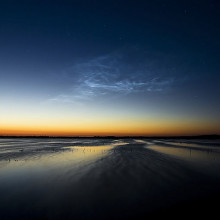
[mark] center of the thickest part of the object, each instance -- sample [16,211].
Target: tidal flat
[95,178]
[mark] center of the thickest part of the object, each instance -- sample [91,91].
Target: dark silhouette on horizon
[211,136]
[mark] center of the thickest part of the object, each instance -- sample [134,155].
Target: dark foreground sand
[108,178]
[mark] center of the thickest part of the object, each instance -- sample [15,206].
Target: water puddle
[190,154]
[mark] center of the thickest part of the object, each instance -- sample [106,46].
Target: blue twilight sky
[110,62]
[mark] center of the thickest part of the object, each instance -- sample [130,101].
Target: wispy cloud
[110,76]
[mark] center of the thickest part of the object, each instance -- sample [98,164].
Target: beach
[109,178]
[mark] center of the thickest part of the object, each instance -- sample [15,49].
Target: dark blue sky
[159,59]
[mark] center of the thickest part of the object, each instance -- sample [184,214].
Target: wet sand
[108,178]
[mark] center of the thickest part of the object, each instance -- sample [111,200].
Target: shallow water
[105,178]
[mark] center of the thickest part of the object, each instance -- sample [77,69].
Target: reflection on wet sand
[104,179]
[67,156]
[189,154]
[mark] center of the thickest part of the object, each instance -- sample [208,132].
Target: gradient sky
[109,67]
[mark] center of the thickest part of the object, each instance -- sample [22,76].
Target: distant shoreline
[214,136]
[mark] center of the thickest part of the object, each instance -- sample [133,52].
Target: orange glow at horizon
[49,119]
[107,128]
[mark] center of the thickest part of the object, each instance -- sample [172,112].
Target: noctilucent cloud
[109,67]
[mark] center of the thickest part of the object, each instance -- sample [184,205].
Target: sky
[110,67]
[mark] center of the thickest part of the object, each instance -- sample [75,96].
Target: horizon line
[113,136]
